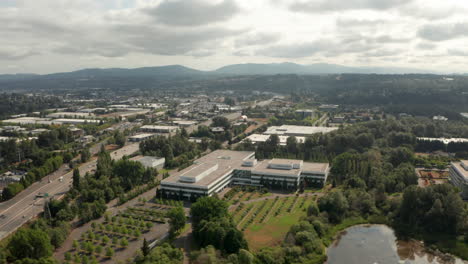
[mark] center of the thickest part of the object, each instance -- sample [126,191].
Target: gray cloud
[457,52]
[390,39]
[431,13]
[16,53]
[167,41]
[339,5]
[441,32]
[294,50]
[351,22]
[193,12]
[105,49]
[257,39]
[383,53]
[426,46]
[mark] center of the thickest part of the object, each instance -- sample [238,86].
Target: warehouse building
[159,129]
[297,131]
[459,176]
[150,162]
[212,173]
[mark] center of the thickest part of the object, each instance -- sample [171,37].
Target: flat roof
[461,169]
[263,167]
[315,167]
[263,138]
[297,130]
[159,127]
[227,160]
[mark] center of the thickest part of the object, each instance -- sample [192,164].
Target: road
[25,206]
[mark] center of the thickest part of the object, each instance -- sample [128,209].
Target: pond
[377,244]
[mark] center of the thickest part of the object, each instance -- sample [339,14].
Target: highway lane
[26,206]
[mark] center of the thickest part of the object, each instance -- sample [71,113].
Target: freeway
[27,205]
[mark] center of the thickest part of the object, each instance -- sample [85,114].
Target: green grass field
[273,228]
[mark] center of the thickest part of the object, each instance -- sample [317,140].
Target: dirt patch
[111,147]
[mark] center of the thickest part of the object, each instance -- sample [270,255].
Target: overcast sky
[44,36]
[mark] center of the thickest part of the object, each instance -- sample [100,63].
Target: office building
[211,173]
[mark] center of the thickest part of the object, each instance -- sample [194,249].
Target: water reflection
[377,244]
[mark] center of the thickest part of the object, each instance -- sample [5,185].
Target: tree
[109,252]
[30,243]
[335,204]
[207,208]
[76,178]
[85,155]
[119,139]
[123,242]
[145,248]
[177,219]
[245,257]
[221,121]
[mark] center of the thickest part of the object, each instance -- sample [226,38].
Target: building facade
[459,177]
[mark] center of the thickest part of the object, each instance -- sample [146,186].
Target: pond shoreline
[381,238]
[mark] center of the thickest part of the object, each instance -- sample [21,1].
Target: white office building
[212,173]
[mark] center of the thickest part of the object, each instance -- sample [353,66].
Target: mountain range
[234,69]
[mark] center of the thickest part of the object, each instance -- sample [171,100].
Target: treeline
[50,165]
[13,103]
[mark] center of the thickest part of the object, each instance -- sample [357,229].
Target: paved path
[25,206]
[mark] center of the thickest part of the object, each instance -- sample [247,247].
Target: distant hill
[319,68]
[170,70]
[177,71]
[19,76]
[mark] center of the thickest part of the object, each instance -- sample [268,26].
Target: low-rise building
[213,172]
[459,176]
[305,113]
[439,118]
[141,137]
[298,131]
[39,131]
[259,138]
[184,123]
[150,162]
[159,129]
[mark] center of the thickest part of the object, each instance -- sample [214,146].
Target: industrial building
[298,131]
[140,137]
[459,176]
[213,172]
[259,138]
[150,162]
[159,129]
